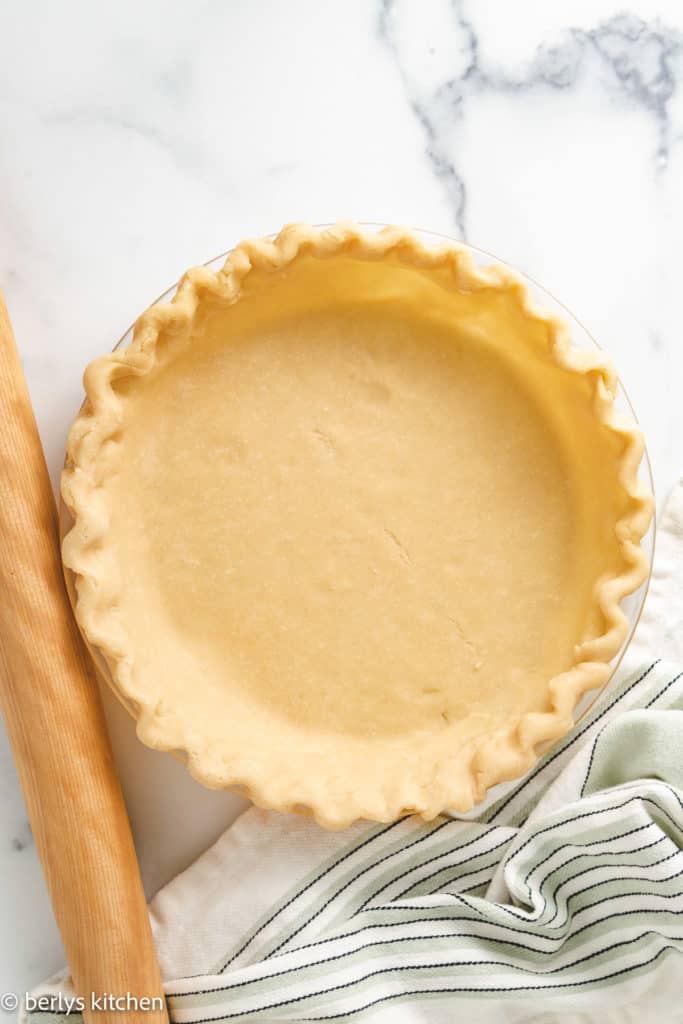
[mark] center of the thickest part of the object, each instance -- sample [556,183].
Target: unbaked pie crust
[351,524]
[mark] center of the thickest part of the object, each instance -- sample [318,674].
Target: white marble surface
[140,138]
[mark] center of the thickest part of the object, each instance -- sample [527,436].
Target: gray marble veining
[643,61]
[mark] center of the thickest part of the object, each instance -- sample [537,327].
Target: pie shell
[334,801]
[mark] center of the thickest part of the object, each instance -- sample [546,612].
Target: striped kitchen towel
[562,901]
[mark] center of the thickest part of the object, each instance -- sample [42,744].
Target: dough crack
[400,547]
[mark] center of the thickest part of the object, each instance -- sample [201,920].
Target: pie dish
[352,522]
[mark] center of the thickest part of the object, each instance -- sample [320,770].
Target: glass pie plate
[632,605]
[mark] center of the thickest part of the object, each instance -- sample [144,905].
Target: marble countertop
[139,139]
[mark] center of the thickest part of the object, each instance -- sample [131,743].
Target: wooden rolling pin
[52,711]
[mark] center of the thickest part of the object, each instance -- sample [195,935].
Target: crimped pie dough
[351,524]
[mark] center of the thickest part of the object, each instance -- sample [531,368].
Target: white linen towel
[562,901]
